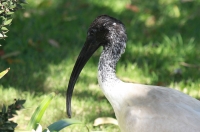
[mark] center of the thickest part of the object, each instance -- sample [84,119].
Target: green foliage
[4,72]
[37,115]
[58,125]
[9,126]
[5,124]
[7,8]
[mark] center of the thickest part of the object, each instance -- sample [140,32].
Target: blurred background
[46,36]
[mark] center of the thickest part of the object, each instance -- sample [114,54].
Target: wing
[152,108]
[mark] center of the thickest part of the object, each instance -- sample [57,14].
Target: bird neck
[107,79]
[108,61]
[107,66]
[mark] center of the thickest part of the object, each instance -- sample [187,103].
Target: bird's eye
[92,32]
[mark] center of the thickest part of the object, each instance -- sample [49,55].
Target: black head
[104,31]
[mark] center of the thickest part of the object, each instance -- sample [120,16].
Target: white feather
[146,108]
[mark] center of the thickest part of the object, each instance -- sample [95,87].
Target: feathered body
[138,108]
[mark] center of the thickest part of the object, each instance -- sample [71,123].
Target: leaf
[39,128]
[13,6]
[23,1]
[19,104]
[37,115]
[1,11]
[133,8]
[26,14]
[11,61]
[9,13]
[150,21]
[19,6]
[54,43]
[7,22]
[105,120]
[57,126]
[14,53]
[4,72]
[176,11]
[2,35]
[3,109]
[4,28]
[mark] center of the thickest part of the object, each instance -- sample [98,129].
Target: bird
[137,107]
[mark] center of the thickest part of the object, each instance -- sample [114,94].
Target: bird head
[104,31]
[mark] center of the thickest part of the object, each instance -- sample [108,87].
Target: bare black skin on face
[104,31]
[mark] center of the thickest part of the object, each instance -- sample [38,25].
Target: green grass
[162,38]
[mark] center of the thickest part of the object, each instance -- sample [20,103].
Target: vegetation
[7,8]
[162,49]
[7,125]
[38,114]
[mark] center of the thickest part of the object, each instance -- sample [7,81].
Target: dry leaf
[151,21]
[132,7]
[14,53]
[189,65]
[54,43]
[30,42]
[10,61]
[2,52]
[34,45]
[26,14]
[105,120]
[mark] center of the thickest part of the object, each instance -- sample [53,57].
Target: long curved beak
[88,49]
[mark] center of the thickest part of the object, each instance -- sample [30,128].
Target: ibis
[137,107]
